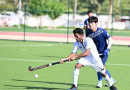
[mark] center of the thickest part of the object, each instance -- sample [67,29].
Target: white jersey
[87,44]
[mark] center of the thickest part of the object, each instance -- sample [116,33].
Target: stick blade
[30,68]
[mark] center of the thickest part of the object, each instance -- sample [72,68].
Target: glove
[106,52]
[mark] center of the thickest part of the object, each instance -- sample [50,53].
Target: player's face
[78,37]
[90,14]
[93,25]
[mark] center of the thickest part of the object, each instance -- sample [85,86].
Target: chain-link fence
[36,24]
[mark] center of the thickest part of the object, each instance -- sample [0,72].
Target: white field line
[109,64]
[45,45]
[25,45]
[23,60]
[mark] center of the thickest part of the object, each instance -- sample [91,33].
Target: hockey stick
[47,65]
[44,66]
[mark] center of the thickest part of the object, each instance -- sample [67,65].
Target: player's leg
[76,73]
[109,81]
[104,59]
[99,84]
[82,62]
[99,67]
[75,76]
[100,77]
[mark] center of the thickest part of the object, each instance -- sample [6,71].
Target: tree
[7,4]
[36,8]
[52,8]
[55,8]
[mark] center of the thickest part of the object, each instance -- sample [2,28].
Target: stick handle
[56,63]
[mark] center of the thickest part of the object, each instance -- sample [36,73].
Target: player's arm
[88,47]
[109,42]
[85,24]
[67,58]
[109,39]
[74,51]
[74,56]
[84,54]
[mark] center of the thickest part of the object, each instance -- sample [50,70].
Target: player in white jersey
[88,57]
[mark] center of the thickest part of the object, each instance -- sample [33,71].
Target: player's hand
[85,27]
[106,52]
[72,58]
[62,60]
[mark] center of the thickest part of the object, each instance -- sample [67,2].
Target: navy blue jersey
[86,22]
[99,37]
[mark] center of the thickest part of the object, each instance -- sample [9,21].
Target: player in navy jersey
[90,13]
[103,43]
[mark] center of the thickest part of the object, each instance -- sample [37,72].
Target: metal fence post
[25,7]
[112,17]
[68,21]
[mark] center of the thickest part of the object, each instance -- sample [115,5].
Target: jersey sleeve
[75,48]
[86,22]
[89,43]
[106,34]
[108,37]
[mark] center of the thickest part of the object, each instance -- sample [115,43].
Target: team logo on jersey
[95,34]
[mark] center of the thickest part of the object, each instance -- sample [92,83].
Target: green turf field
[16,56]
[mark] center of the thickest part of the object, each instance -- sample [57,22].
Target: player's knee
[78,66]
[103,74]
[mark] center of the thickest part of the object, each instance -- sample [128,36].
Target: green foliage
[53,8]
[56,8]
[41,7]
[7,4]
[125,7]
[36,7]
[100,6]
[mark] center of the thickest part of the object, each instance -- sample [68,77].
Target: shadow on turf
[60,83]
[30,87]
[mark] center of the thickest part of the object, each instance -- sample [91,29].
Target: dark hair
[89,11]
[79,31]
[92,19]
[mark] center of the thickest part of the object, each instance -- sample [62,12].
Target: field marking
[109,64]
[26,45]
[118,64]
[23,60]
[45,45]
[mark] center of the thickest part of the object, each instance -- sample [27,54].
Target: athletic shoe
[73,88]
[113,88]
[113,80]
[99,85]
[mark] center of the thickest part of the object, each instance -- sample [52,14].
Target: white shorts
[97,65]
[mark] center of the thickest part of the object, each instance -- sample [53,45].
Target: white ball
[36,75]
